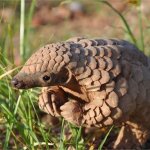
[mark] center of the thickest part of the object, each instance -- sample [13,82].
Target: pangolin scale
[93,83]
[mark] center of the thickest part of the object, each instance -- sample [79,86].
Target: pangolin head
[46,67]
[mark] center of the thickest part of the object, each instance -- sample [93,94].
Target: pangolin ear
[65,76]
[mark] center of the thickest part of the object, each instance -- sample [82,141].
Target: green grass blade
[22,20]
[78,137]
[123,20]
[9,130]
[61,143]
[28,27]
[141,27]
[104,140]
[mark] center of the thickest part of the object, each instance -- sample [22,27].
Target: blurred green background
[26,25]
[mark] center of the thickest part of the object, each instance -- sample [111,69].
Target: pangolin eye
[46,78]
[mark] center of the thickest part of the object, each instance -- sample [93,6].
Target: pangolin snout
[17,84]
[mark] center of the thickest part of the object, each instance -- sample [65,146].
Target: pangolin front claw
[50,101]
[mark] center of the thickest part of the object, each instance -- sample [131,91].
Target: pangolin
[93,83]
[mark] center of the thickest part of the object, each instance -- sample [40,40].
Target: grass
[20,121]
[126,25]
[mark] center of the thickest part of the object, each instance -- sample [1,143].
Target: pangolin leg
[131,136]
[51,99]
[94,114]
[72,112]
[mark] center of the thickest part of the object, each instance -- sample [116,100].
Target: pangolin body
[106,82]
